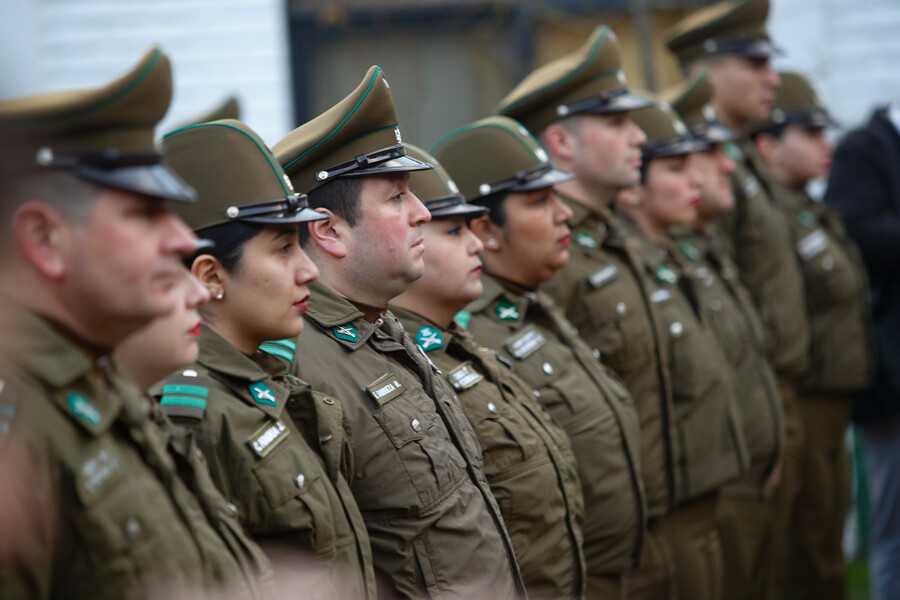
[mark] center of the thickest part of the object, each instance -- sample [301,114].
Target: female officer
[711,446]
[498,164]
[528,459]
[273,445]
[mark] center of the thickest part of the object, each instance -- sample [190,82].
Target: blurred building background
[448,62]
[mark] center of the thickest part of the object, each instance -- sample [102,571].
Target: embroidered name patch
[100,470]
[463,377]
[525,343]
[264,440]
[812,245]
[385,388]
[603,276]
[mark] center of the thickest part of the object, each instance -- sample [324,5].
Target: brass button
[547,368]
[492,408]
[621,309]
[416,425]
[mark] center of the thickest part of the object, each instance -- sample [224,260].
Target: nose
[561,211]
[179,239]
[772,76]
[307,271]
[197,293]
[638,137]
[418,213]
[726,163]
[475,245]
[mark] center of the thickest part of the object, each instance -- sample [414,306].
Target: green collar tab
[82,408]
[347,332]
[689,250]
[507,311]
[462,319]
[665,274]
[585,240]
[263,394]
[429,338]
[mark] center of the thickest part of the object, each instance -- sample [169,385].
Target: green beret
[690,99]
[437,190]
[736,27]
[496,155]
[587,81]
[236,176]
[796,103]
[229,108]
[104,134]
[357,136]
[666,134]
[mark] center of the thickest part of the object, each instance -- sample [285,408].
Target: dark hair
[229,239]
[496,209]
[645,167]
[775,130]
[341,197]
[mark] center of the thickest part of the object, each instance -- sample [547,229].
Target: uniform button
[547,368]
[621,309]
[676,329]
[325,438]
[329,400]
[232,507]
[716,305]
[132,527]
[536,393]
[828,263]
[492,408]
[416,425]
[300,480]
[596,353]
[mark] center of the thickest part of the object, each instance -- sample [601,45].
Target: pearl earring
[220,295]
[492,242]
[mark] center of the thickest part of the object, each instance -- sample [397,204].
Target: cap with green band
[666,134]
[796,103]
[437,190]
[690,99]
[735,27]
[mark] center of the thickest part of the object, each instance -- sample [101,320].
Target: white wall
[217,47]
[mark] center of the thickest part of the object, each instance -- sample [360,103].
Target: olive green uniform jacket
[761,243]
[528,458]
[604,296]
[412,458]
[274,448]
[711,447]
[726,307]
[118,520]
[591,405]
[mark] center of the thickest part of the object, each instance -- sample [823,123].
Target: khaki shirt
[711,447]
[274,449]
[760,240]
[604,296]
[726,307]
[591,405]
[126,523]
[413,461]
[841,354]
[528,458]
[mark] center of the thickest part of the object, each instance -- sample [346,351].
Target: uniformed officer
[274,446]
[498,164]
[91,254]
[744,515]
[578,106]
[414,463]
[792,145]
[730,39]
[528,458]
[712,447]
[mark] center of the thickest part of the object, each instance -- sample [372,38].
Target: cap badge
[541,154]
[484,189]
[507,311]
[709,113]
[397,135]
[429,338]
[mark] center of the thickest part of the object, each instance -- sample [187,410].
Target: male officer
[414,462]
[578,107]
[91,254]
[730,40]
[744,512]
[792,145]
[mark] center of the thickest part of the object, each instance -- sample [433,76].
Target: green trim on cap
[341,124]
[569,77]
[276,168]
[106,101]
[478,125]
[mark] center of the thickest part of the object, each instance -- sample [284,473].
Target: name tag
[525,343]
[603,276]
[463,377]
[98,472]
[812,245]
[385,388]
[267,437]
[660,295]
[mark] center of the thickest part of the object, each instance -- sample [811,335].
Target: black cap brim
[400,164]
[676,148]
[548,179]
[452,206]
[158,180]
[714,133]
[751,48]
[304,215]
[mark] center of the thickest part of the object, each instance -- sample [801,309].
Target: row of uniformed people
[384,455]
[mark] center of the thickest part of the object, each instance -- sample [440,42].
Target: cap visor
[150,180]
[304,215]
[548,179]
[679,148]
[717,134]
[400,164]
[461,208]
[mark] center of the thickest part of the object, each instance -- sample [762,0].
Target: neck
[229,330]
[372,302]
[439,312]
[729,119]
[596,198]
[654,231]
[513,286]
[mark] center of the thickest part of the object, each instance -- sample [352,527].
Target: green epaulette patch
[665,274]
[689,250]
[462,319]
[184,395]
[507,311]
[347,332]
[585,240]
[82,408]
[263,394]
[429,338]
[285,349]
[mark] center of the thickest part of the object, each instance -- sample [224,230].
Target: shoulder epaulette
[184,395]
[285,349]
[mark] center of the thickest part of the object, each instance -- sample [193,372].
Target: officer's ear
[331,235]
[768,148]
[560,142]
[44,237]
[488,232]
[211,274]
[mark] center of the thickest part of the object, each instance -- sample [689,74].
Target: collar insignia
[429,338]
[262,394]
[347,333]
[585,240]
[665,274]
[507,311]
[82,408]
